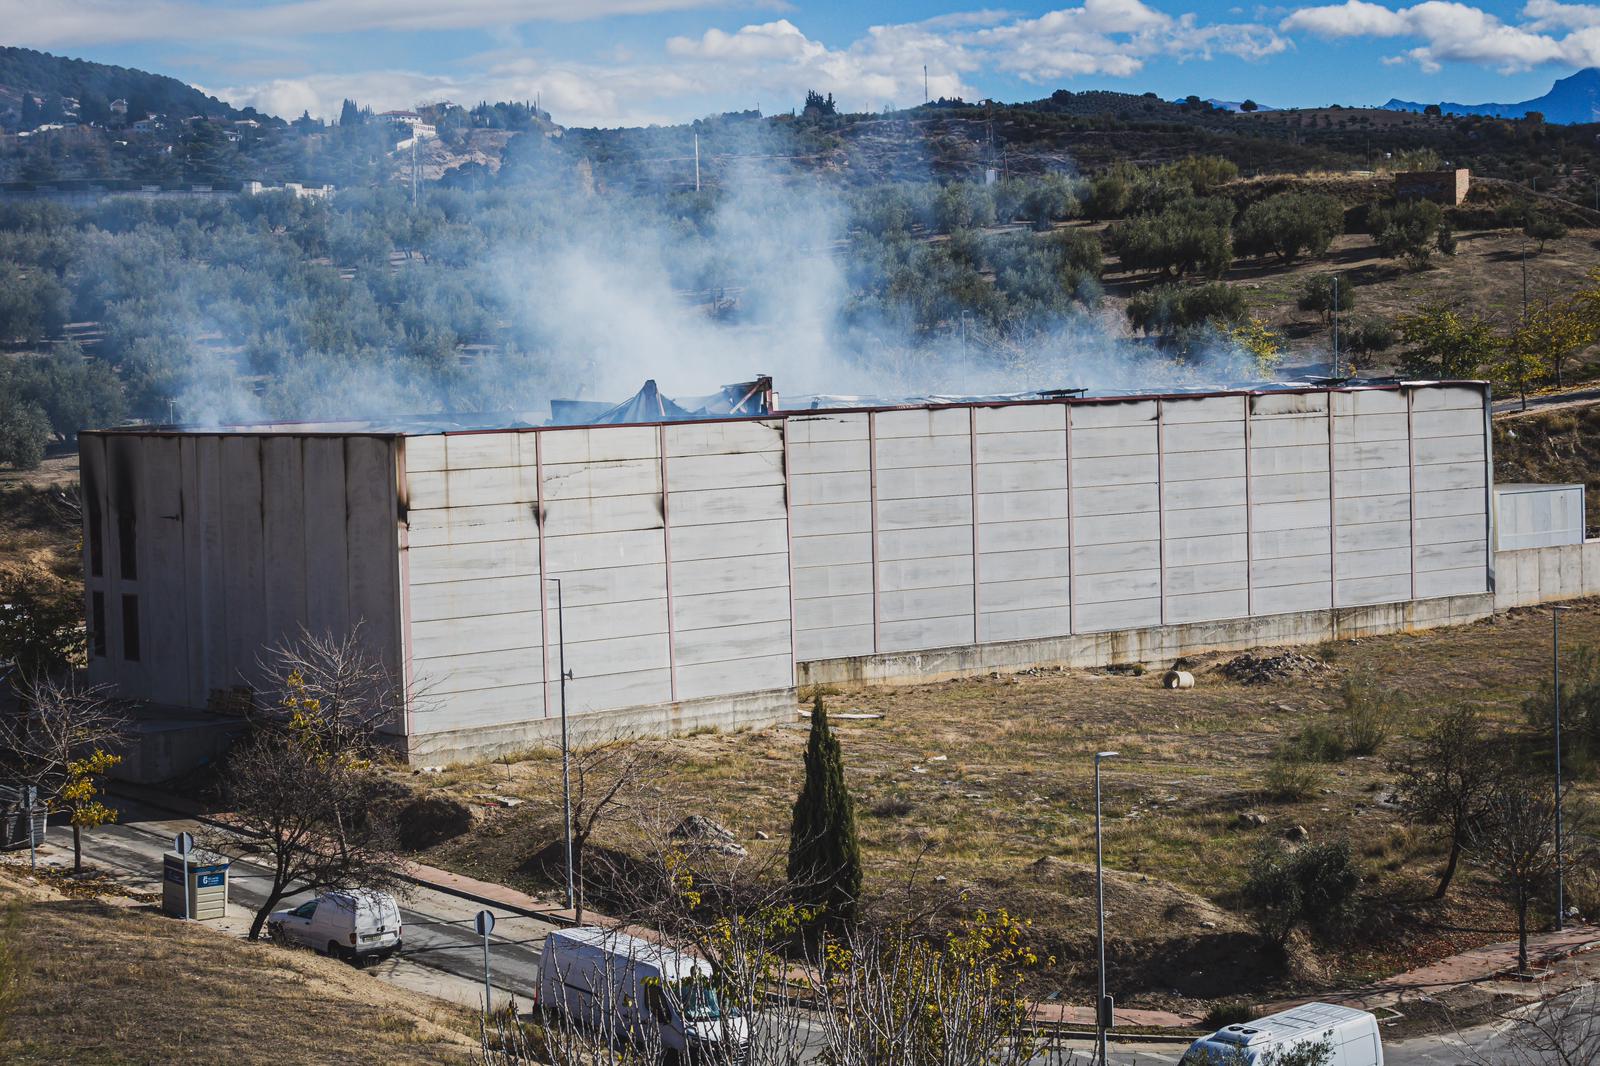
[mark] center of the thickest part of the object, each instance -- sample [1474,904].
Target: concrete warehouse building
[707,567]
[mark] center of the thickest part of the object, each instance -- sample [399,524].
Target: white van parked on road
[1351,1036]
[643,992]
[356,926]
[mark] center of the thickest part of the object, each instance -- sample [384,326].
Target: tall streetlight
[1102,1015]
[1555,674]
[566,781]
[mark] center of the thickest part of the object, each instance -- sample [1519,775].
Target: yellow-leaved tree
[78,798]
[1256,340]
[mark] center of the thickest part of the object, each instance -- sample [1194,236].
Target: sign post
[485,924]
[183,844]
[31,796]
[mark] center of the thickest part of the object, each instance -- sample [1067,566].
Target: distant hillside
[23,70]
[1573,101]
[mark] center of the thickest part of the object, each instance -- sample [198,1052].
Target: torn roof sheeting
[649,405]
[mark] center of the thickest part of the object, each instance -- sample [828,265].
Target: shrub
[1290,780]
[1173,312]
[1318,742]
[1189,236]
[1289,225]
[1314,886]
[1368,713]
[1541,227]
[1227,1012]
[24,428]
[1318,294]
[1369,336]
[962,204]
[1406,229]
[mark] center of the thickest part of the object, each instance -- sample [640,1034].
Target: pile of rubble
[1261,668]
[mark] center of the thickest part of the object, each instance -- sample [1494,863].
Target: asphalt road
[442,952]
[443,955]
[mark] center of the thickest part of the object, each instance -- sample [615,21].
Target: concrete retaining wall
[751,710]
[1154,645]
[1531,576]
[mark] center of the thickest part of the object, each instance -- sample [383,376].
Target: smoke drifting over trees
[500,292]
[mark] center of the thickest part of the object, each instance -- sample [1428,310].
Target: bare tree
[302,787]
[53,729]
[606,776]
[334,690]
[1515,842]
[1560,1030]
[307,818]
[1447,780]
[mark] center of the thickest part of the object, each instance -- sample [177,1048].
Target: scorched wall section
[202,551]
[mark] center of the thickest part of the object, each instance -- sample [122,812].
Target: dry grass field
[986,786]
[94,984]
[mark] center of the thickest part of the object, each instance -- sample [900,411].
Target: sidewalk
[1469,967]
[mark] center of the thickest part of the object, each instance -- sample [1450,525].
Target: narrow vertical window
[130,628]
[127,543]
[97,625]
[97,539]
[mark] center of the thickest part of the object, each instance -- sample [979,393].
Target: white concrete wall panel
[1116,520]
[606,515]
[830,524]
[924,517]
[1373,508]
[1202,440]
[474,584]
[1023,566]
[1449,461]
[1291,508]
[727,513]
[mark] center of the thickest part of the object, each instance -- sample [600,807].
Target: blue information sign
[209,880]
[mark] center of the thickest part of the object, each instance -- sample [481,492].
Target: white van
[643,992]
[356,926]
[1351,1035]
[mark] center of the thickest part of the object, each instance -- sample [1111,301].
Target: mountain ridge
[1573,100]
[24,70]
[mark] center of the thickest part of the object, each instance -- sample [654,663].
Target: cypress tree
[824,854]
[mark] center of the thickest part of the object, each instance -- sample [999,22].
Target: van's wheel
[336,951]
[276,934]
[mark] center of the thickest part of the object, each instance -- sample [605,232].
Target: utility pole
[1102,1010]
[697,162]
[566,779]
[413,170]
[1555,673]
[925,96]
[1522,373]
[1334,319]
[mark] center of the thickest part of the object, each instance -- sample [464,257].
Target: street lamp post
[1100,1013]
[566,780]
[1555,675]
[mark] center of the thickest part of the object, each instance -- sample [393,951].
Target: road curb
[188,808]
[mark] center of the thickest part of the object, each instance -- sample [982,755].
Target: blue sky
[608,62]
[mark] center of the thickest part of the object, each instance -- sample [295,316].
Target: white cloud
[1117,38]
[1461,33]
[78,22]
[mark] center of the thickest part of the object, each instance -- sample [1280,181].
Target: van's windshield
[700,1003]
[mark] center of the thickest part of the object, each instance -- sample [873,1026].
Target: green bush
[1289,225]
[1318,742]
[1406,230]
[1368,715]
[1227,1012]
[1291,780]
[1313,886]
